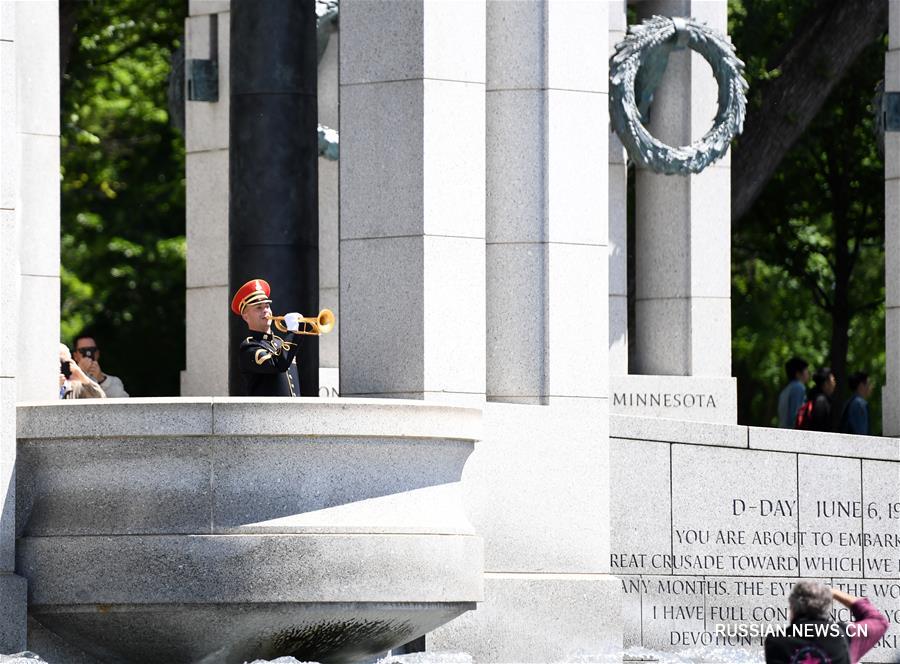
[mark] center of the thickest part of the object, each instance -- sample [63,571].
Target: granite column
[546,213]
[683,238]
[207,349]
[537,485]
[618,223]
[682,333]
[273,161]
[412,200]
[29,257]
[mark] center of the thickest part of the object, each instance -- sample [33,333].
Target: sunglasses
[85,350]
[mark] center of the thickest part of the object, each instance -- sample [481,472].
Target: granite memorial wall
[713,523]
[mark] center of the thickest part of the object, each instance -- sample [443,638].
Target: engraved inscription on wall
[711,597]
[664,400]
[708,541]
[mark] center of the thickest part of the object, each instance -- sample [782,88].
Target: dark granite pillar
[273,194]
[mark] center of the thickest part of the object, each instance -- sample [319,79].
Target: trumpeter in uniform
[267,361]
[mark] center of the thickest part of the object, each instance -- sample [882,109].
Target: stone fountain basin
[227,529]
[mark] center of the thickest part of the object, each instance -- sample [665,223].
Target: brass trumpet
[321,324]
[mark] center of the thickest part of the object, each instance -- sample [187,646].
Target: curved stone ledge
[206,485]
[246,416]
[232,529]
[204,569]
[213,634]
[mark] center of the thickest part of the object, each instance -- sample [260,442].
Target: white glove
[292,321]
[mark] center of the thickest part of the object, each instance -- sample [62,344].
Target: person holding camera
[87,354]
[814,637]
[73,382]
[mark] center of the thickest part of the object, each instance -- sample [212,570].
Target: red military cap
[253,292]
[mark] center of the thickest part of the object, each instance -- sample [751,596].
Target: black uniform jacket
[267,363]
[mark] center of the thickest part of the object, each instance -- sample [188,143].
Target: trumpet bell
[325,320]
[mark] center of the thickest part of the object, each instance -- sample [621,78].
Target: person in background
[73,382]
[87,354]
[855,416]
[794,394]
[813,636]
[820,397]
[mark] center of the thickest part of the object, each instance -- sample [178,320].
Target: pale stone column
[37,68]
[546,216]
[683,298]
[412,199]
[891,390]
[29,258]
[537,485]
[206,201]
[328,221]
[618,222]
[206,137]
[12,588]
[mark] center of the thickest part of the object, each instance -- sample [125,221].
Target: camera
[88,352]
[64,368]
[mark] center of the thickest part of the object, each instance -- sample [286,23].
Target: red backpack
[805,415]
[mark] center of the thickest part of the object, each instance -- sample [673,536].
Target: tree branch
[137,43]
[868,306]
[818,58]
[797,265]
[68,18]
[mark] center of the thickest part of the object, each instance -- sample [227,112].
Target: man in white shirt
[87,354]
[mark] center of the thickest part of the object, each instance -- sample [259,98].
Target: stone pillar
[12,588]
[546,215]
[37,69]
[538,484]
[618,223]
[206,168]
[206,137]
[683,238]
[273,216]
[29,257]
[891,390]
[328,221]
[412,199]
[680,355]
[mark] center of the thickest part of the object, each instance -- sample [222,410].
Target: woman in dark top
[820,396]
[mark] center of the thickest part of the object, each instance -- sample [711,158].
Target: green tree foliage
[808,258]
[123,244]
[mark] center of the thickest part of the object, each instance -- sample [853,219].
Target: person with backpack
[815,414]
[855,416]
[794,394]
[813,636]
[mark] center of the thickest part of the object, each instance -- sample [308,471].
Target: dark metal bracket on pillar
[891,110]
[202,80]
[202,76]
